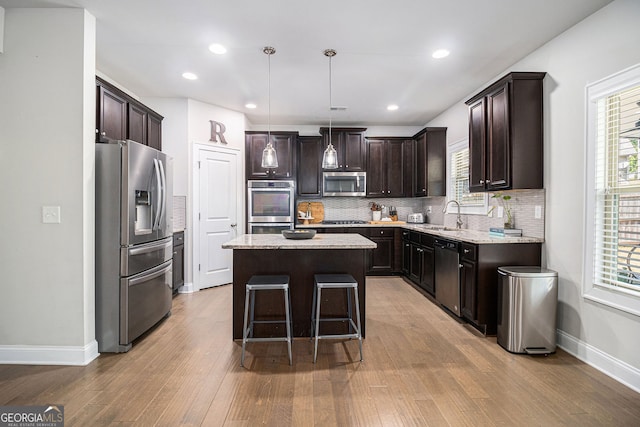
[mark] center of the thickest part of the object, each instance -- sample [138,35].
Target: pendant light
[330,156]
[269,156]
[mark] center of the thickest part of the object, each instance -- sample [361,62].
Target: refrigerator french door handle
[163,192]
[156,169]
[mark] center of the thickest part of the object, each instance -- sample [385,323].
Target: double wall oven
[270,206]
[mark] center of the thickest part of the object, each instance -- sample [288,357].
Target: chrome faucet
[459,219]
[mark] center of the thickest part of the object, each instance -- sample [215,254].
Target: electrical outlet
[538,212]
[51,214]
[428,209]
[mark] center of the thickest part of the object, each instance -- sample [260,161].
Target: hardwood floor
[420,367]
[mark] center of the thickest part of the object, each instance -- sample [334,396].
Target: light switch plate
[538,212]
[500,211]
[51,214]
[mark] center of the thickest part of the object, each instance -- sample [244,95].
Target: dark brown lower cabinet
[178,260]
[479,278]
[418,259]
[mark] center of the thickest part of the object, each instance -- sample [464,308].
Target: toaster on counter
[415,218]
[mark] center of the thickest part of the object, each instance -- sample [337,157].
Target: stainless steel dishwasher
[447,271]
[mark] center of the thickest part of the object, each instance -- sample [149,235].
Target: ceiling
[383,51]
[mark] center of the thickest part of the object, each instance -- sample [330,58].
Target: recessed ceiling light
[440,53]
[218,49]
[189,76]
[250,105]
[392,107]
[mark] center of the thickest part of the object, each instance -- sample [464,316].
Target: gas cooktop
[343,221]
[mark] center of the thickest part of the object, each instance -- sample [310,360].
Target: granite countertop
[319,241]
[463,235]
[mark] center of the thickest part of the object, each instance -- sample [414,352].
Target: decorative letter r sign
[217,129]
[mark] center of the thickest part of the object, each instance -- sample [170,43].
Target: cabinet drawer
[468,251]
[381,232]
[414,236]
[426,240]
[178,238]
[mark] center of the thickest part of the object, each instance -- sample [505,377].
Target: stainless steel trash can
[527,302]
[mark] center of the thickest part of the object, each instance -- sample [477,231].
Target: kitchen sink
[443,228]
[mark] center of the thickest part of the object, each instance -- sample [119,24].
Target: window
[612,238]
[458,183]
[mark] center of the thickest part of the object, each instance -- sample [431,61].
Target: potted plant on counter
[505,201]
[376,211]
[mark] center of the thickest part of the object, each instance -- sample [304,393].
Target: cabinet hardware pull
[488,182]
[103,134]
[466,251]
[482,181]
[460,265]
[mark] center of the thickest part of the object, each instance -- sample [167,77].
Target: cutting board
[387,222]
[317,211]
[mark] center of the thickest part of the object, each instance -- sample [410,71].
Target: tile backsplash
[523,203]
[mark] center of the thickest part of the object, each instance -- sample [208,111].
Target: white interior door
[218,214]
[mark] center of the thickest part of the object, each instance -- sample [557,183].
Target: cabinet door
[309,166]
[416,263]
[377,168]
[420,166]
[396,168]
[437,163]
[477,163]
[154,131]
[406,257]
[498,148]
[354,151]
[111,120]
[284,145]
[427,278]
[137,123]
[381,258]
[468,290]
[178,267]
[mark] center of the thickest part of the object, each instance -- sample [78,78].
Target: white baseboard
[616,369]
[48,355]
[187,288]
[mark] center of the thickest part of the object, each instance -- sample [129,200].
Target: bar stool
[263,283]
[335,281]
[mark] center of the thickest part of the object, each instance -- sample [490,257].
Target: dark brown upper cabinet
[430,162]
[350,146]
[309,167]
[389,167]
[119,116]
[506,134]
[111,115]
[284,144]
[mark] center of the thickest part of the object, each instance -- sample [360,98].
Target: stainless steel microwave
[344,184]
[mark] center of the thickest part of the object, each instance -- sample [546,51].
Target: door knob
[234,225]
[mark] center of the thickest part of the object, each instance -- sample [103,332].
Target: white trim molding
[612,367]
[48,355]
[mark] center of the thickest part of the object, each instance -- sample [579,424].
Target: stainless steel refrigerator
[133,242]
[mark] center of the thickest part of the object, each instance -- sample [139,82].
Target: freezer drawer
[146,298]
[138,258]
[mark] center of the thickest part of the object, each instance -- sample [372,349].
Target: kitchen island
[300,259]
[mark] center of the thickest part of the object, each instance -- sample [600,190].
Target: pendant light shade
[330,156]
[269,155]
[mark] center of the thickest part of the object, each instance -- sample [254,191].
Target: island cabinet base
[300,265]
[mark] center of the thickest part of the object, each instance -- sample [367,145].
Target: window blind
[460,179]
[617,216]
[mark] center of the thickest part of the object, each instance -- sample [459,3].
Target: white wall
[47,125]
[602,44]
[187,121]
